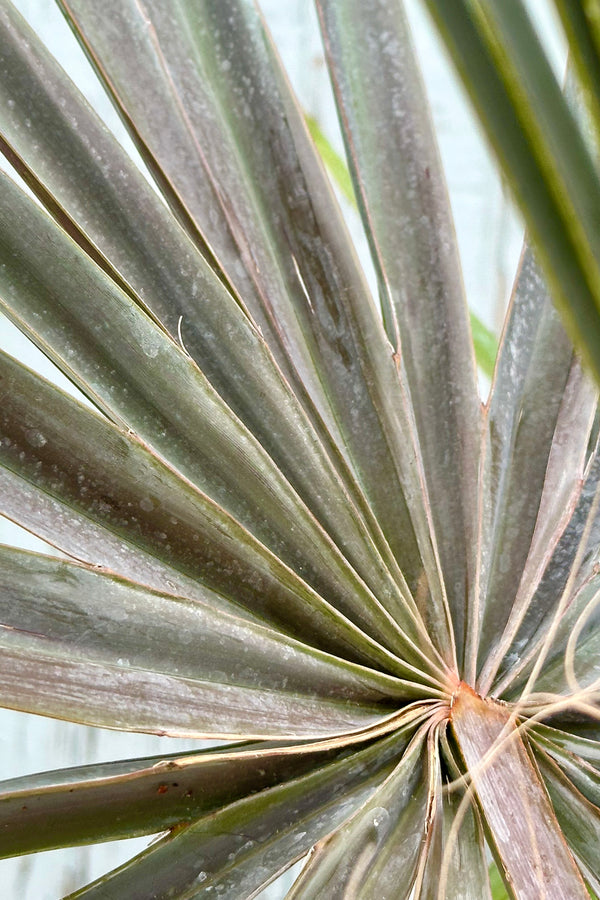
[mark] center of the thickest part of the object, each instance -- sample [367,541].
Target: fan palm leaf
[285,517]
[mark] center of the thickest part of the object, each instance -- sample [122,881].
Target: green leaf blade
[381,839]
[152,387]
[113,495]
[129,798]
[485,344]
[402,197]
[245,845]
[537,426]
[539,147]
[315,282]
[96,193]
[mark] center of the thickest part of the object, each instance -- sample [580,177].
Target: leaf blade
[129,798]
[383,116]
[95,191]
[539,148]
[102,614]
[383,835]
[579,819]
[537,426]
[242,847]
[148,384]
[125,497]
[339,325]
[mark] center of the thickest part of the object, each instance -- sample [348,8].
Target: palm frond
[284,515]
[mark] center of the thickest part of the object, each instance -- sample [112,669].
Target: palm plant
[285,517]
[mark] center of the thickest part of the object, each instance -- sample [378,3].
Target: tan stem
[522,828]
